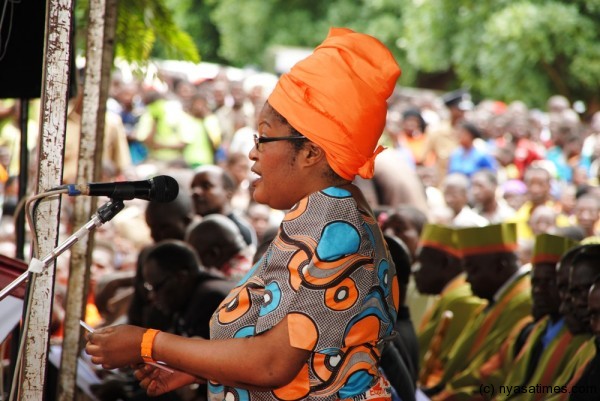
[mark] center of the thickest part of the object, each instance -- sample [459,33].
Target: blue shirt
[469,161]
[551,331]
[564,170]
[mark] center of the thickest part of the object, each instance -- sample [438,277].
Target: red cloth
[10,270]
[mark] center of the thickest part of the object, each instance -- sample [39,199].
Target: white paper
[420,395]
[11,311]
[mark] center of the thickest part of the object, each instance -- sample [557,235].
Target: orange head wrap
[337,97]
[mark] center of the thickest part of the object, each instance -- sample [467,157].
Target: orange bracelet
[147,342]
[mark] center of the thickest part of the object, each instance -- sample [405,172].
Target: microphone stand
[105,213]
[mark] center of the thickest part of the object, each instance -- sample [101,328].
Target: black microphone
[161,188]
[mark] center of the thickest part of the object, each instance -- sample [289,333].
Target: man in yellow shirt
[535,344]
[493,271]
[440,273]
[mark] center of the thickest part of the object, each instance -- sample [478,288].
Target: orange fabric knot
[367,169]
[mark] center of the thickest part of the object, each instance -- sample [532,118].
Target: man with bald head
[220,246]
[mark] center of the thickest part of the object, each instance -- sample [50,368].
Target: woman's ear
[313,154]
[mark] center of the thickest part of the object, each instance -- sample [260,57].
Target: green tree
[502,49]
[509,50]
[193,17]
[250,27]
[141,25]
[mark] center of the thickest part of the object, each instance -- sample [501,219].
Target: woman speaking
[308,321]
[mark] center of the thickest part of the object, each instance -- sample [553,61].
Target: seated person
[212,190]
[440,273]
[179,286]
[220,246]
[493,271]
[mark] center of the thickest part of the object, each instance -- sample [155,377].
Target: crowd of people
[489,211]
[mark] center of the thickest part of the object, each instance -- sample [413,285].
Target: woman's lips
[255,177]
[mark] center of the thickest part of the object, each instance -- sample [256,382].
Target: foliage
[509,50]
[250,27]
[382,19]
[193,17]
[540,49]
[502,49]
[141,24]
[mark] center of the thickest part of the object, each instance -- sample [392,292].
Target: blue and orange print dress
[328,270]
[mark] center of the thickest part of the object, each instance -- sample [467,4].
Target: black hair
[181,207]
[173,255]
[471,129]
[582,190]
[567,258]
[417,114]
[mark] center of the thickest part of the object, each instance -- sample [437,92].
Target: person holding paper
[311,317]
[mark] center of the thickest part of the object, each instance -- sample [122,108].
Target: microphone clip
[110,209]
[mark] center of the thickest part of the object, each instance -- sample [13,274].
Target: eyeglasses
[156,287]
[258,140]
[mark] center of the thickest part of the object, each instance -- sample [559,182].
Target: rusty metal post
[99,56]
[55,85]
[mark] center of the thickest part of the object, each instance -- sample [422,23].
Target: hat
[550,248]
[440,237]
[459,98]
[337,98]
[495,238]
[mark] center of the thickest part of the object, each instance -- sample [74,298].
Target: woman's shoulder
[329,212]
[336,203]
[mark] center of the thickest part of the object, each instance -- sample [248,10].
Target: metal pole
[20,219]
[55,85]
[99,56]
[105,213]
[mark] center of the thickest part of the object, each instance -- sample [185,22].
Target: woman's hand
[116,346]
[156,381]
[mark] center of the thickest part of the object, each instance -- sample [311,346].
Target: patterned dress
[328,270]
